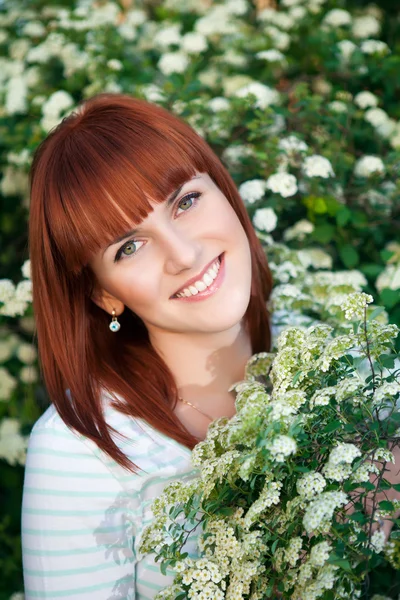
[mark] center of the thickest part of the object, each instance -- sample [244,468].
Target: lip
[211,289]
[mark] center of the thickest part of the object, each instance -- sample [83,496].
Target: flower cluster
[286,476]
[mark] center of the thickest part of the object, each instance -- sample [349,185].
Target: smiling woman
[134,221]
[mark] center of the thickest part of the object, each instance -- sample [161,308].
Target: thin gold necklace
[195,407]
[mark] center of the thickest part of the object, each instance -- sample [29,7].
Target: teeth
[202,284]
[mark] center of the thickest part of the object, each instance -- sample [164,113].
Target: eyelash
[193,195]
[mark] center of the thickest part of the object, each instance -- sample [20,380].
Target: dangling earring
[115,325]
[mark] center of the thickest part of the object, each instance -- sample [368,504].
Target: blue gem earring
[115,325]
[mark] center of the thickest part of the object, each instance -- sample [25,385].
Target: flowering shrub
[301,103]
[290,489]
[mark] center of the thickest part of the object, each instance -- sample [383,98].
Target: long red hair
[114,152]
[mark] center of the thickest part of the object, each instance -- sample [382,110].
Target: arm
[77,537]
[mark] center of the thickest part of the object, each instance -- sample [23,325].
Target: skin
[205,344]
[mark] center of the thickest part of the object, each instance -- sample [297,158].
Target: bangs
[105,171]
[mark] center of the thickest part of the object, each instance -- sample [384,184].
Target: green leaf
[323,233]
[396,486]
[359,517]
[390,297]
[343,216]
[332,426]
[344,564]
[386,505]
[375,313]
[349,256]
[274,545]
[387,360]
[295,378]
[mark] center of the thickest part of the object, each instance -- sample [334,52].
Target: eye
[128,249]
[189,201]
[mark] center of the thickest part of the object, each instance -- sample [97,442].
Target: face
[195,243]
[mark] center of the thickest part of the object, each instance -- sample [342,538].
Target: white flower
[26,353]
[19,159]
[280,39]
[346,48]
[319,512]
[378,541]
[34,29]
[369,165]
[16,96]
[366,26]
[7,290]
[292,144]
[167,35]
[310,485]
[320,553]
[233,155]
[317,166]
[281,447]
[290,3]
[265,219]
[236,7]
[376,116]
[7,384]
[271,55]
[284,184]
[217,21]
[337,17]
[12,444]
[374,47]
[298,13]
[299,230]
[114,64]
[355,304]
[338,106]
[194,42]
[265,96]
[28,374]
[253,190]
[292,552]
[315,257]
[280,19]
[218,104]
[56,105]
[23,291]
[389,278]
[366,99]
[6,351]
[173,62]
[345,453]
[153,93]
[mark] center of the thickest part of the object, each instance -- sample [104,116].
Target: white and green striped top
[83,514]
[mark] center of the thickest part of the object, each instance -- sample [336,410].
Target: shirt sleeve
[77,527]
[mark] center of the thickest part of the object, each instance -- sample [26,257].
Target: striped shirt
[83,515]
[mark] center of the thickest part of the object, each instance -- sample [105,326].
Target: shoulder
[54,448]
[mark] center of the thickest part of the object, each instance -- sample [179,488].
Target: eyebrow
[169,201]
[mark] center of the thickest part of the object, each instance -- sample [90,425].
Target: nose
[181,252]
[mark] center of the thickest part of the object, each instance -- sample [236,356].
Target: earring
[115,325]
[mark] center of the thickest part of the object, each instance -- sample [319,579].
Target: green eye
[186,203]
[130,244]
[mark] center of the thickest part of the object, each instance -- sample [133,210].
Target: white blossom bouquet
[292,493]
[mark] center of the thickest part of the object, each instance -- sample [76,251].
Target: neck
[205,365]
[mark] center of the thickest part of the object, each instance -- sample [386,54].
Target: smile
[206,285]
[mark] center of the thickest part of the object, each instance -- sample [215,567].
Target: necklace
[195,407]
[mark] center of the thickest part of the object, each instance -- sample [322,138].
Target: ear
[107,301]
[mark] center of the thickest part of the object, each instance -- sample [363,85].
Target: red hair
[101,162]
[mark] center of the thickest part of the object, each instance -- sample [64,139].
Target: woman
[150,291]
